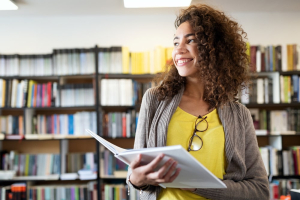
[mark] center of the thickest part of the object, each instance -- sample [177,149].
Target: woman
[196,106]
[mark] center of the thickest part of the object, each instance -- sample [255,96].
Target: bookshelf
[65,144]
[35,138]
[274,102]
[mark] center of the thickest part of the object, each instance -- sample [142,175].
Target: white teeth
[183,61]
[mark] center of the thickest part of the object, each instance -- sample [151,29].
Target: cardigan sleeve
[255,184]
[143,127]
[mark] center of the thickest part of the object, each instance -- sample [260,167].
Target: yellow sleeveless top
[211,155]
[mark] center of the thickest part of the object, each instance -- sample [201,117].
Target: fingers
[136,162]
[174,176]
[153,164]
[171,179]
[166,174]
[170,171]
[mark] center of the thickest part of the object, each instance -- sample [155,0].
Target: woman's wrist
[137,186]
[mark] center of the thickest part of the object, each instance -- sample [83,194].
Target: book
[192,175]
[295,194]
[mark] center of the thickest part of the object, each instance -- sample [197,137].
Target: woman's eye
[191,40]
[175,44]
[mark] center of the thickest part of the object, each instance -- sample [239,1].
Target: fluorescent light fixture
[7,5]
[156,3]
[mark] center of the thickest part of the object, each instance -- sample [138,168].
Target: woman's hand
[145,175]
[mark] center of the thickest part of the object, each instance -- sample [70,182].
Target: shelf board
[273,105]
[117,175]
[50,77]
[290,73]
[287,177]
[37,178]
[55,137]
[281,135]
[112,177]
[78,76]
[52,108]
[259,74]
[12,109]
[117,108]
[129,76]
[31,77]
[64,108]
[110,138]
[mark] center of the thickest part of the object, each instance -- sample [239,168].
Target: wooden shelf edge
[52,77]
[29,178]
[272,105]
[55,137]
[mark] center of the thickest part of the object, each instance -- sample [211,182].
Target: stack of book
[73,61]
[274,58]
[111,165]
[42,95]
[289,89]
[64,124]
[77,161]
[281,162]
[16,191]
[122,92]
[119,60]
[119,191]
[12,125]
[119,124]
[26,65]
[277,122]
[31,164]
[283,187]
[77,95]
[82,191]
[261,91]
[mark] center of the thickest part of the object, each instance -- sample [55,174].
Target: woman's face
[185,53]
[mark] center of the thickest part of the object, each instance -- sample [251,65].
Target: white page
[113,148]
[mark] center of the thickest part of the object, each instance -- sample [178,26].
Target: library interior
[71,65]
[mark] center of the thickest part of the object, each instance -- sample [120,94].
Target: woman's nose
[180,49]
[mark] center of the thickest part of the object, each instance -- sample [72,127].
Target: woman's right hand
[145,175]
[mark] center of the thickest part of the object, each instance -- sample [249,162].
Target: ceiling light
[156,3]
[7,5]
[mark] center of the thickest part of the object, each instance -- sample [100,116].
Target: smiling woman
[195,106]
[221,51]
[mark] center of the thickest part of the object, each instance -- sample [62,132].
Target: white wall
[40,35]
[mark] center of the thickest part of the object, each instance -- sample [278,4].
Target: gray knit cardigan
[245,177]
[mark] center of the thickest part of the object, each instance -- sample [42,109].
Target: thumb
[136,162]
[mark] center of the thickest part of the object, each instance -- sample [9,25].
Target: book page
[113,148]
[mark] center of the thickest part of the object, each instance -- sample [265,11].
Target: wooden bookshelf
[51,143]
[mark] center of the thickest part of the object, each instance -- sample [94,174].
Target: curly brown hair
[224,64]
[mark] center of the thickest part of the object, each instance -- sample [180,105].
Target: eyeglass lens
[196,143]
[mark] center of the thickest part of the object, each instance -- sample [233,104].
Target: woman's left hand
[189,189]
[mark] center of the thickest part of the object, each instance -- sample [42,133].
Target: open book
[192,175]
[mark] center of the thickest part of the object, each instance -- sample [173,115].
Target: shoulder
[237,109]
[151,94]
[150,97]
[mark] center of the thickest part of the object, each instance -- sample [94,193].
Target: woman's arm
[255,183]
[140,176]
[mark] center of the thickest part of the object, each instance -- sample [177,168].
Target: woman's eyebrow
[187,35]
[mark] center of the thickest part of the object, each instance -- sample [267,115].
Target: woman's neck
[194,89]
